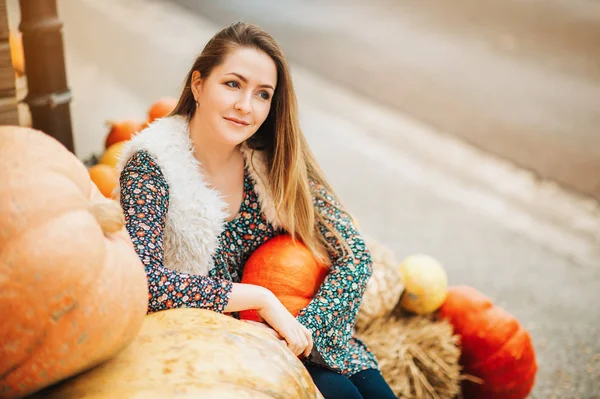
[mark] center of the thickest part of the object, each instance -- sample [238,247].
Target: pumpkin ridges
[20,213]
[37,211]
[462,301]
[493,367]
[185,346]
[132,316]
[288,269]
[492,331]
[495,346]
[29,151]
[268,280]
[28,281]
[63,330]
[476,319]
[55,256]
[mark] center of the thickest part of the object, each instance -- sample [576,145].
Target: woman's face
[235,99]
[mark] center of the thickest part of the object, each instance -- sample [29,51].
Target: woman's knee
[333,385]
[371,385]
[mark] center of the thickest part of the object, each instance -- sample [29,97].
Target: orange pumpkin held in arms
[287,268]
[495,347]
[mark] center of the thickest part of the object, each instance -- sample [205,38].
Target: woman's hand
[297,337]
[266,328]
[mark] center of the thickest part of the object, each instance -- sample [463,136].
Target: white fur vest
[196,214]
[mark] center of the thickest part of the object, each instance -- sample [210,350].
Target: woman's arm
[331,315]
[144,196]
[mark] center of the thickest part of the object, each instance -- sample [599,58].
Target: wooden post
[9,114]
[48,95]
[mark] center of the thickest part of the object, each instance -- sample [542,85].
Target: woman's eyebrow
[243,79]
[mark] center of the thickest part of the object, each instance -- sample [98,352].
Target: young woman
[226,171]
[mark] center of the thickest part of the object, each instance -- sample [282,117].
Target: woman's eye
[264,95]
[233,84]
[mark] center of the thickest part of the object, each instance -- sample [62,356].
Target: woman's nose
[243,104]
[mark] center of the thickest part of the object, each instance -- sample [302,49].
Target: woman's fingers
[303,341]
[276,334]
[300,345]
[299,340]
[295,343]
[310,341]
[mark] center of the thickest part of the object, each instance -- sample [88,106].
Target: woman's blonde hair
[291,164]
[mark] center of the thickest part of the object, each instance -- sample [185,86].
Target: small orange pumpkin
[111,155]
[17,56]
[73,291]
[122,131]
[161,108]
[287,268]
[105,177]
[495,347]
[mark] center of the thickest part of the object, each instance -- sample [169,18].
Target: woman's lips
[237,122]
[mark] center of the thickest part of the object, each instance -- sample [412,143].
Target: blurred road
[530,246]
[517,78]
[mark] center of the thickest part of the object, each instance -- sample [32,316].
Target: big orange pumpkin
[73,291]
[195,353]
[495,346]
[287,268]
[161,108]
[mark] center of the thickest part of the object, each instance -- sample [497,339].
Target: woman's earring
[196,104]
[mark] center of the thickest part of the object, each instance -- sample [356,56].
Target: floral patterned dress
[331,315]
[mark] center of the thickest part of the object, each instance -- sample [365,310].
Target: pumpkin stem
[109,215]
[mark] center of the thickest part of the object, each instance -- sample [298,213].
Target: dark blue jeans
[367,384]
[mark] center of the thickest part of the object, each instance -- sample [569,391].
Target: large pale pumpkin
[495,347]
[287,268]
[195,353]
[73,291]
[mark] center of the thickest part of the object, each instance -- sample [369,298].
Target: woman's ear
[196,84]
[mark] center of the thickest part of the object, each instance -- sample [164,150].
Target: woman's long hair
[291,164]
